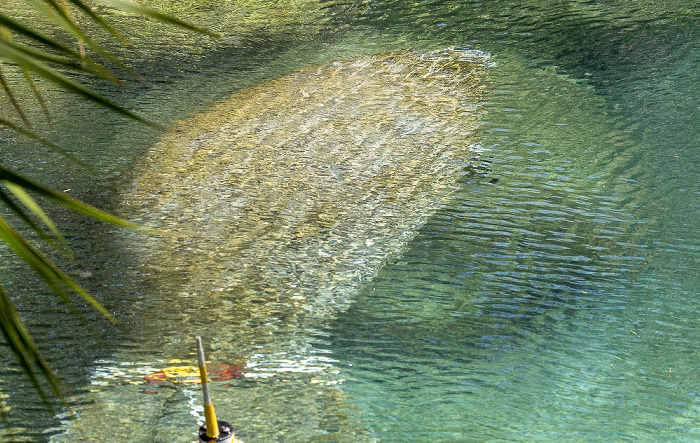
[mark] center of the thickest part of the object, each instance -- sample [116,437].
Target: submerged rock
[278,203]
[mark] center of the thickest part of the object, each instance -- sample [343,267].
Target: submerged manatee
[289,191]
[280,202]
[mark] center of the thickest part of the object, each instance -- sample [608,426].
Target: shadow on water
[553,296]
[174,66]
[322,174]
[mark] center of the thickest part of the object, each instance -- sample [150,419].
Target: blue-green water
[558,303]
[554,297]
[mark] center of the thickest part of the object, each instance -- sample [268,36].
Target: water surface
[553,297]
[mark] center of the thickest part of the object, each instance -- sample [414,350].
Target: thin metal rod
[209,414]
[200,360]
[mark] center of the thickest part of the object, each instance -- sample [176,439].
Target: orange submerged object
[190,374]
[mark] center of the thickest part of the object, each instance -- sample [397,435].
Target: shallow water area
[552,296]
[529,307]
[276,206]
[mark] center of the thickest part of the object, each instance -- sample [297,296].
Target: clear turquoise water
[553,298]
[559,303]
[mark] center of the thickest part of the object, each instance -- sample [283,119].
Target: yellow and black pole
[212,430]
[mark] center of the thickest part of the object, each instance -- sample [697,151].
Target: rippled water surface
[553,296]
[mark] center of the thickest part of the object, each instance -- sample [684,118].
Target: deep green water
[554,297]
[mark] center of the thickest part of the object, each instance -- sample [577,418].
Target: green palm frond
[35,66]
[41,56]
[13,100]
[37,37]
[36,137]
[7,175]
[83,65]
[23,347]
[32,206]
[56,279]
[156,15]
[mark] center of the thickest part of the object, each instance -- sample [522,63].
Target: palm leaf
[50,273]
[34,207]
[23,347]
[11,97]
[64,82]
[66,23]
[36,36]
[41,60]
[148,12]
[22,215]
[100,21]
[69,202]
[85,66]
[34,136]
